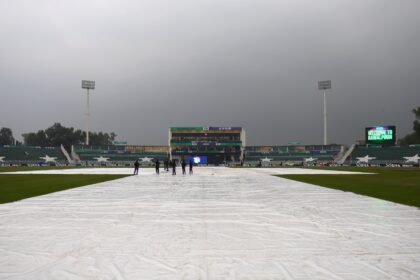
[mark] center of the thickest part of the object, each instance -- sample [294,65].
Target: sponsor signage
[198,128]
[205,143]
[207,128]
[225,128]
[133,148]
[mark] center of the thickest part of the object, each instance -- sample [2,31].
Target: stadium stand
[31,155]
[125,155]
[383,154]
[283,154]
[117,155]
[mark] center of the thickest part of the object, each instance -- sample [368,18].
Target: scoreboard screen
[381,135]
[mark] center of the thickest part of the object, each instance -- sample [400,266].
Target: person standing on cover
[157,164]
[191,167]
[166,165]
[136,167]
[173,167]
[183,164]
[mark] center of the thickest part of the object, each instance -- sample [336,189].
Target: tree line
[57,135]
[413,138]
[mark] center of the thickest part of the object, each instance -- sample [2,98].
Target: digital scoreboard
[381,135]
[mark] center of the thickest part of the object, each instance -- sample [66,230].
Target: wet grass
[32,168]
[401,185]
[35,168]
[15,187]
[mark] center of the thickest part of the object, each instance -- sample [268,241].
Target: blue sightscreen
[197,159]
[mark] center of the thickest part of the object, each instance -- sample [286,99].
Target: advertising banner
[225,128]
[197,128]
[205,143]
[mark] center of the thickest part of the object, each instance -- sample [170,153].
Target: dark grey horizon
[247,63]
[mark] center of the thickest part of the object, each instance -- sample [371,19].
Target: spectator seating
[384,154]
[327,153]
[30,154]
[118,154]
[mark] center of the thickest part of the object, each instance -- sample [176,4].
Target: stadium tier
[118,154]
[33,155]
[298,153]
[383,154]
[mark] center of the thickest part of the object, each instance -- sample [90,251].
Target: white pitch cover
[220,223]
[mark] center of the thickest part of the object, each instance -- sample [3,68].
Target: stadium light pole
[324,85]
[88,85]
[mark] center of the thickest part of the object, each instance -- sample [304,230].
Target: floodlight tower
[88,85]
[324,85]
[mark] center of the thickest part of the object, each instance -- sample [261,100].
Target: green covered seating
[30,154]
[384,154]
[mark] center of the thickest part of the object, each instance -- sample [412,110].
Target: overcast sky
[250,63]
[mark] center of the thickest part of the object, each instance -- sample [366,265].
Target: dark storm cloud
[249,63]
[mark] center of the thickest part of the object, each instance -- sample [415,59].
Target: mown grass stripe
[397,185]
[15,187]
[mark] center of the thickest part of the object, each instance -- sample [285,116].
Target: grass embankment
[15,187]
[399,185]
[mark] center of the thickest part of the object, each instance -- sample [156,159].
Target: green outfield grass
[15,187]
[401,185]
[32,168]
